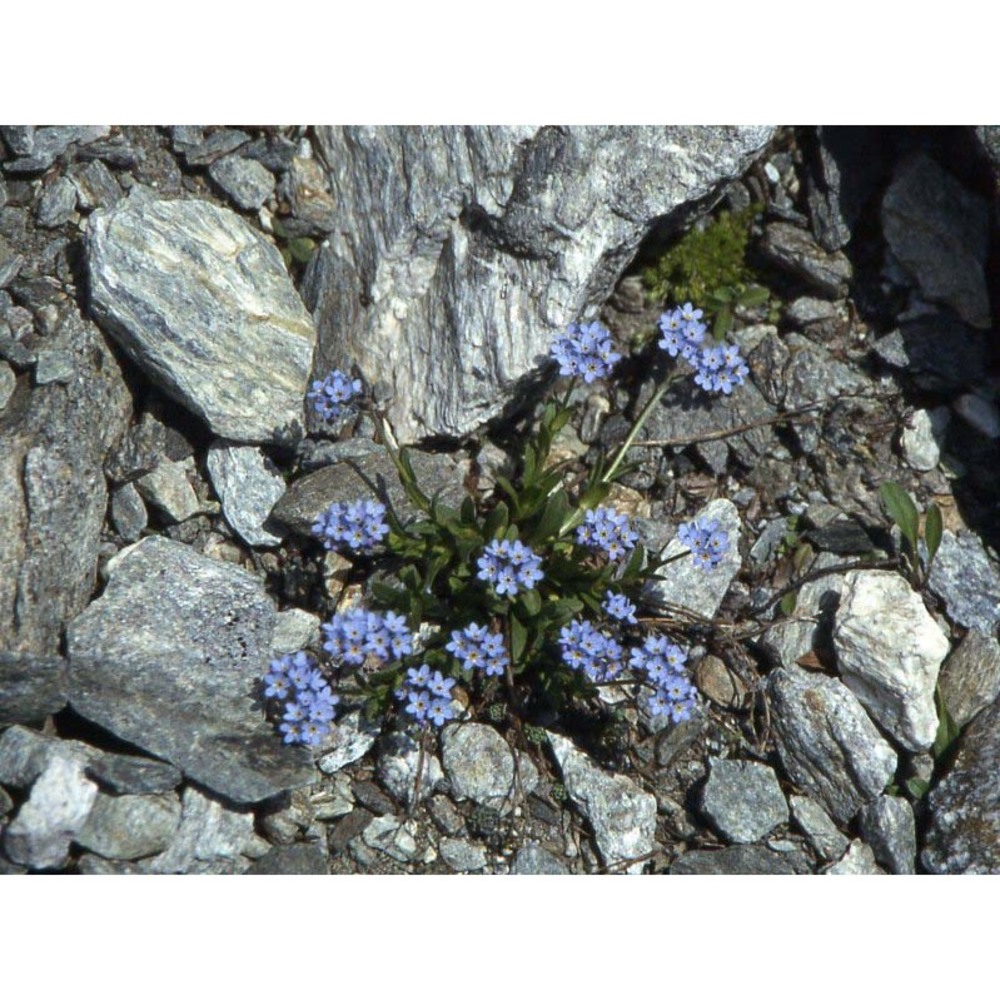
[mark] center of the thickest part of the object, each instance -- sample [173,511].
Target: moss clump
[708,267]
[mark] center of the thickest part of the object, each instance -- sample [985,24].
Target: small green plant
[904,513]
[293,249]
[708,265]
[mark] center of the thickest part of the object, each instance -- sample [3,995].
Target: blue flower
[509,567]
[354,635]
[620,607]
[585,349]
[332,395]
[358,526]
[307,698]
[595,653]
[476,648]
[707,541]
[607,530]
[718,368]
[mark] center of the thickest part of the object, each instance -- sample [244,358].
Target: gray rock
[6,803]
[8,380]
[39,836]
[921,438]
[10,268]
[217,144]
[127,827]
[491,241]
[683,585]
[219,310]
[248,485]
[168,488]
[794,250]
[94,864]
[53,495]
[769,541]
[534,860]
[51,142]
[970,677]
[859,859]
[366,477]
[306,188]
[294,629]
[58,203]
[622,816]
[128,512]
[293,859]
[31,687]
[210,839]
[331,799]
[963,834]
[96,186]
[480,766]
[462,855]
[890,830]
[940,353]
[982,414]
[822,833]
[54,367]
[826,742]
[350,738]
[940,232]
[743,800]
[288,819]
[399,759]
[146,445]
[170,658]
[127,775]
[446,817]
[967,580]
[393,836]
[369,795]
[245,182]
[808,310]
[20,139]
[889,653]
[742,859]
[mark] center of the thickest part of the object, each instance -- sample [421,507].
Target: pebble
[741,859]
[350,739]
[168,488]
[462,855]
[743,800]
[480,766]
[128,827]
[54,366]
[532,859]
[245,182]
[397,768]
[921,435]
[293,859]
[249,485]
[824,837]
[128,512]
[858,860]
[970,677]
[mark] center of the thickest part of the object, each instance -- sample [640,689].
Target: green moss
[708,267]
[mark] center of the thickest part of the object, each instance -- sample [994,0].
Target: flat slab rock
[964,832]
[170,657]
[741,859]
[621,814]
[743,800]
[31,687]
[204,305]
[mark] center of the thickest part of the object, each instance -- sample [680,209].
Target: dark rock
[58,203]
[49,143]
[368,794]
[889,828]
[940,233]
[31,687]
[964,809]
[128,512]
[743,859]
[794,250]
[146,445]
[53,495]
[369,476]
[220,301]
[54,367]
[170,658]
[127,827]
[293,859]
[96,186]
[967,580]
[970,677]
[125,775]
[216,145]
[351,826]
[245,182]
[743,800]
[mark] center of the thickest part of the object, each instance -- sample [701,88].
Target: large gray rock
[31,687]
[216,323]
[889,652]
[741,859]
[480,765]
[170,658]
[940,233]
[964,809]
[967,580]
[622,816]
[743,800]
[970,677]
[53,495]
[826,742]
[126,827]
[455,253]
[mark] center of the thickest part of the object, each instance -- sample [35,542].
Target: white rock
[889,651]
[858,860]
[920,438]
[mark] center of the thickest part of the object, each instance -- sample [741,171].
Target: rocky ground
[168,294]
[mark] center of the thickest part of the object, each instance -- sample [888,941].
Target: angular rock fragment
[216,323]
[249,486]
[743,800]
[128,827]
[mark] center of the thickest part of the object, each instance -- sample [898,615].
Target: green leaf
[902,510]
[788,602]
[518,638]
[917,787]
[933,532]
[553,514]
[531,601]
[496,522]
[755,295]
[948,729]
[301,249]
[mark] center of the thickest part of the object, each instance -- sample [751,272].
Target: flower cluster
[332,395]
[358,526]
[354,635]
[620,607]
[427,696]
[707,541]
[718,368]
[595,653]
[606,529]
[308,700]
[663,664]
[509,566]
[476,648]
[585,349]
